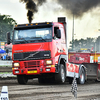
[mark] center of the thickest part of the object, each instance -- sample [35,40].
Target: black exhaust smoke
[78,7]
[71,7]
[32,7]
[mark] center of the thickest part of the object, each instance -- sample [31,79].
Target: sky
[86,26]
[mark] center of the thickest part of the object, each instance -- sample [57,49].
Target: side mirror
[8,38]
[58,33]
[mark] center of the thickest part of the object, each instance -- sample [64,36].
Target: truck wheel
[22,79]
[60,77]
[81,79]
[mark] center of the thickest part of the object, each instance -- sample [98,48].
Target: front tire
[22,79]
[61,76]
[81,79]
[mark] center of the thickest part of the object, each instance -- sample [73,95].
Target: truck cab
[39,51]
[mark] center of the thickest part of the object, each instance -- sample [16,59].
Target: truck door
[57,41]
[63,42]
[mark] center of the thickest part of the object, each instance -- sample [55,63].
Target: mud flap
[98,72]
[92,69]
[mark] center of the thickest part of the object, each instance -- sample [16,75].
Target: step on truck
[39,50]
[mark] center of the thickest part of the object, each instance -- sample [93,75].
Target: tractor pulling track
[53,91]
[35,91]
[5,69]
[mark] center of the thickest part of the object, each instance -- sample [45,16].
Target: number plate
[30,72]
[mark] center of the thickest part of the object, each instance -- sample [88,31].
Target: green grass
[5,72]
[5,65]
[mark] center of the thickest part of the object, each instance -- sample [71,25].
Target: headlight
[48,61]
[16,64]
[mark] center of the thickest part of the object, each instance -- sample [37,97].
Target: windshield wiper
[41,38]
[17,42]
[20,41]
[26,41]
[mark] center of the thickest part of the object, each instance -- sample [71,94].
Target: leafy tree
[6,25]
[85,43]
[98,44]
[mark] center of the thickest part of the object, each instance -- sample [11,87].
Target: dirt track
[34,91]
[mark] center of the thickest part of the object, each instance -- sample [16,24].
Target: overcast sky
[87,26]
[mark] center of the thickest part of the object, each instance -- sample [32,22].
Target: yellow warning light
[31,24]
[36,24]
[47,23]
[26,24]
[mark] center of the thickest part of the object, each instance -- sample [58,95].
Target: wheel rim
[82,77]
[62,75]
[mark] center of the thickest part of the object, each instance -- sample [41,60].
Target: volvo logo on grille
[31,55]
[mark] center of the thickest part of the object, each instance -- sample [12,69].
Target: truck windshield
[32,35]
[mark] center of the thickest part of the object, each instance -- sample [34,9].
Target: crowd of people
[5,56]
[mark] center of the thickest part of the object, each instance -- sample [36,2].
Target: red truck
[39,50]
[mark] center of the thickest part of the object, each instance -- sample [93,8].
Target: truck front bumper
[34,71]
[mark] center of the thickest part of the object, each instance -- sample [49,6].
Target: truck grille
[32,64]
[32,55]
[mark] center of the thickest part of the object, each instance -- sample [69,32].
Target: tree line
[89,43]
[6,25]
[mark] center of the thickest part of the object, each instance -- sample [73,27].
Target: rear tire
[22,79]
[61,76]
[81,79]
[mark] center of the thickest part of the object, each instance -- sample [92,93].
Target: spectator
[4,57]
[8,57]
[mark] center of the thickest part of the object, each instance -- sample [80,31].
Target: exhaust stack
[63,20]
